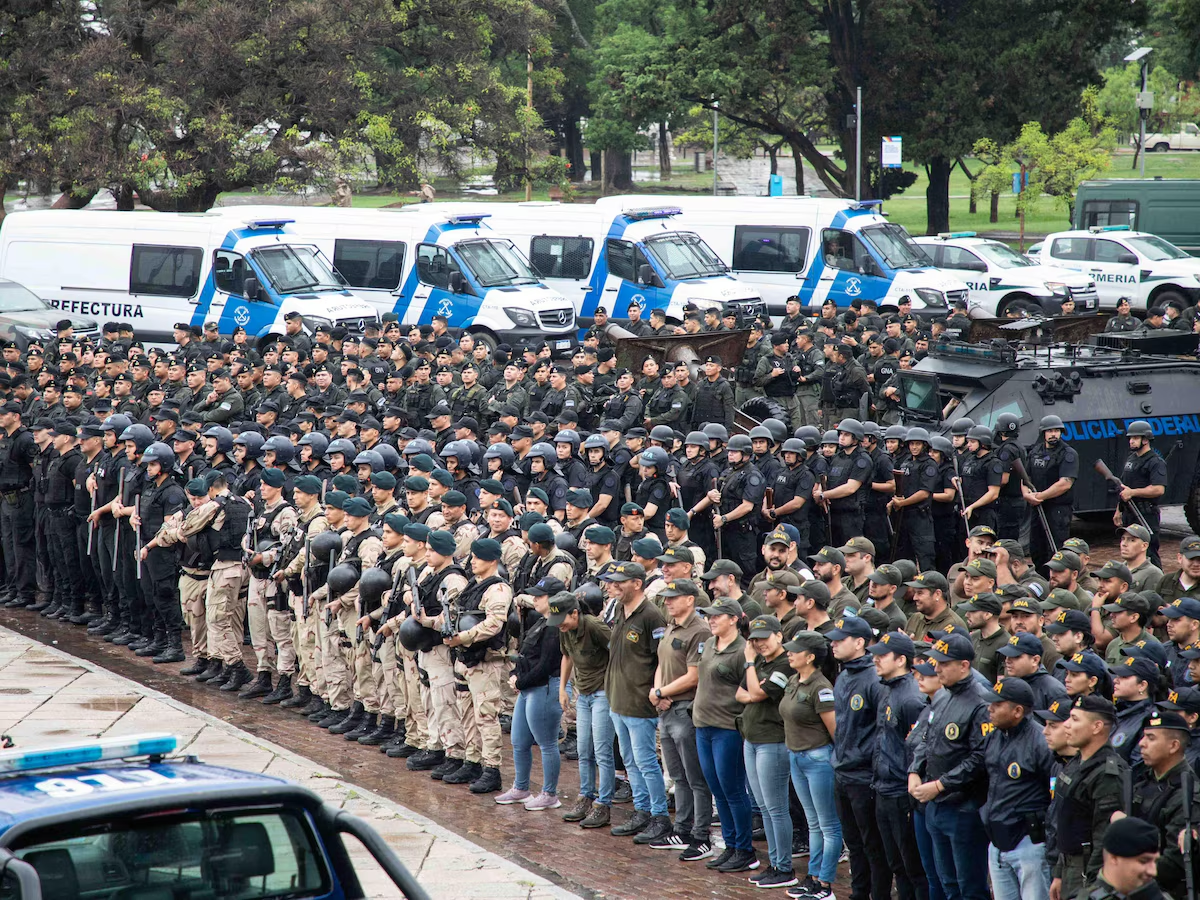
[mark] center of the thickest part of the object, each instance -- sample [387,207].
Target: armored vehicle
[1097,388]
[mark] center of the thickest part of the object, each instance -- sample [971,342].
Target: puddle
[15,690]
[110,704]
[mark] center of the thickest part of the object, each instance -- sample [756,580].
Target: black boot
[366,726]
[403,750]
[239,677]
[106,621]
[282,692]
[488,782]
[40,602]
[424,760]
[570,745]
[320,709]
[334,717]
[51,611]
[196,668]
[383,732]
[214,670]
[445,767]
[351,721]
[259,687]
[156,646]
[464,774]
[120,634]
[299,699]
[173,653]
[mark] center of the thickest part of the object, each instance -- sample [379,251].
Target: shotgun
[1019,468]
[1106,473]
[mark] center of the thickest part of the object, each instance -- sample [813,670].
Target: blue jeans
[958,836]
[720,751]
[536,718]
[812,776]
[594,738]
[636,738]
[925,848]
[1022,873]
[767,767]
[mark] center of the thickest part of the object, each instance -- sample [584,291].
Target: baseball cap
[817,590]
[1186,699]
[1059,710]
[850,626]
[805,641]
[984,567]
[1063,560]
[1130,601]
[1086,661]
[1069,620]
[1138,531]
[893,642]
[1012,690]
[858,544]
[625,571]
[1078,544]
[764,626]
[952,647]
[726,606]
[1189,546]
[982,531]
[1023,644]
[783,579]
[722,567]
[985,603]
[830,555]
[931,580]
[679,588]
[546,587]
[886,574]
[561,606]
[778,536]
[676,554]
[1114,568]
[1144,669]
[1059,598]
[1184,606]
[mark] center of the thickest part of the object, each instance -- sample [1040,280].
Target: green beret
[197,488]
[346,482]
[540,494]
[601,534]
[418,483]
[541,533]
[423,462]
[308,484]
[336,499]
[504,506]
[357,506]
[486,549]
[529,519]
[441,542]
[442,477]
[398,522]
[492,486]
[385,480]
[273,478]
[454,498]
[417,531]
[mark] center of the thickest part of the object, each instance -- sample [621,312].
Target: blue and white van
[156,269]
[814,248]
[433,259]
[616,255]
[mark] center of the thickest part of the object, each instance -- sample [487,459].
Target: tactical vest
[228,543]
[432,604]
[264,533]
[350,549]
[469,602]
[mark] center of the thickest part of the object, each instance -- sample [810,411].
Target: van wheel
[1160,147]
[487,339]
[1166,298]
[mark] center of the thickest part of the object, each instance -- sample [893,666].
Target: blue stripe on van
[600,271]
[405,297]
[813,275]
[206,294]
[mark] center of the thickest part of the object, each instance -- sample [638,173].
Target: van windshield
[1155,248]
[1003,256]
[683,255]
[894,245]
[18,298]
[495,263]
[290,268]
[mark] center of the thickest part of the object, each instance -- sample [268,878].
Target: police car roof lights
[865,204]
[651,212]
[124,747]
[1100,229]
[468,218]
[951,235]
[269,223]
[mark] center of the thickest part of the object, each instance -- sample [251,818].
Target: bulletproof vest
[263,534]
[469,602]
[14,474]
[785,384]
[430,590]
[228,543]
[350,549]
[60,483]
[1006,452]
[541,567]
[974,475]
[198,552]
[153,506]
[1044,466]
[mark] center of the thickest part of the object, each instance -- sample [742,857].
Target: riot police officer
[982,475]
[1011,510]
[738,496]
[792,493]
[849,469]
[1144,477]
[161,498]
[1053,468]
[915,487]
[17,455]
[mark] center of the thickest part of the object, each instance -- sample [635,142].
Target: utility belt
[61,510]
[197,575]
[13,495]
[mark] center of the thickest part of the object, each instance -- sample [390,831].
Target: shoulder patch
[825,695]
[778,679]
[657,633]
[754,479]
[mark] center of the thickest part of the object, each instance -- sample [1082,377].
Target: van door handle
[587,289]
[611,290]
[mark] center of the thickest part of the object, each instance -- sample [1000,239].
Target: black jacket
[540,657]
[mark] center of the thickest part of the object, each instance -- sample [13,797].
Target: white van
[814,248]
[436,259]
[156,269]
[618,255]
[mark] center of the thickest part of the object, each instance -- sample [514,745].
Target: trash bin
[775,186]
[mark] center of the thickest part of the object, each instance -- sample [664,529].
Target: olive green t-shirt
[680,648]
[632,659]
[587,647]
[801,708]
[761,722]
[720,674]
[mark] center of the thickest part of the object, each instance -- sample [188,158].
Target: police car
[999,277]
[114,818]
[1124,263]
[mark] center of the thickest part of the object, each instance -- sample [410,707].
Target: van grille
[556,319]
[357,324]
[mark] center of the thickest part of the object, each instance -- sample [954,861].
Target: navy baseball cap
[1059,710]
[1023,644]
[1088,661]
[850,626]
[1012,690]
[1184,606]
[953,647]
[1143,669]
[894,642]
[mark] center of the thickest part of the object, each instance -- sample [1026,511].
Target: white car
[1124,263]
[998,276]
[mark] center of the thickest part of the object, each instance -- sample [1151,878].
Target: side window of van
[764,248]
[620,259]
[229,272]
[370,264]
[1069,248]
[842,250]
[165,271]
[434,265]
[562,257]
[1109,212]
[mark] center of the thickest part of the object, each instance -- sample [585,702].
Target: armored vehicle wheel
[762,408]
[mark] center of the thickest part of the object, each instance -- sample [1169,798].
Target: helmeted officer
[738,496]
[849,471]
[982,475]
[914,501]
[1053,468]
[1144,476]
[1011,511]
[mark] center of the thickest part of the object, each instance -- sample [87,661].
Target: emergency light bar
[865,204]
[1098,229]
[951,235]
[156,744]
[468,218]
[652,212]
[269,223]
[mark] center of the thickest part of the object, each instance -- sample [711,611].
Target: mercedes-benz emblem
[362,324]
[562,317]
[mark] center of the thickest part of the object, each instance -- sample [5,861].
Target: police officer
[1134,681]
[1019,767]
[59,506]
[1144,480]
[915,487]
[161,498]
[1087,792]
[1023,659]
[17,456]
[738,497]
[849,469]
[1011,511]
[776,375]
[792,493]
[1053,468]
[982,475]
[714,400]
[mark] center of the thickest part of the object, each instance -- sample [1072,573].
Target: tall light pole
[1144,102]
[858,145]
[716,143]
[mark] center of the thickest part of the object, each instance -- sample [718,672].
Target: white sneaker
[543,801]
[513,795]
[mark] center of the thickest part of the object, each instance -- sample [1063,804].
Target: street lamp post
[1145,100]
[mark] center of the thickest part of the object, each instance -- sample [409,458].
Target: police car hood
[1040,274]
[1173,268]
[716,291]
[82,790]
[927,277]
[43,319]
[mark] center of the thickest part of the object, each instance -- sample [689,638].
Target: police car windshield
[895,246]
[1155,248]
[494,263]
[683,255]
[18,298]
[1002,255]
[292,268]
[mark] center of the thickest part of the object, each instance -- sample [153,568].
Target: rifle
[1189,876]
[720,550]
[137,534]
[769,497]
[91,525]
[329,612]
[962,501]
[828,515]
[894,532]
[1106,473]
[1019,468]
[304,576]
[117,534]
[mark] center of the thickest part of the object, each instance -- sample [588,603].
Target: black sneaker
[821,892]
[741,861]
[717,861]
[671,841]
[777,879]
[804,888]
[623,793]
[759,876]
[799,845]
[696,850]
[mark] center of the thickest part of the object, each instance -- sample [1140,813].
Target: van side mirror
[646,275]
[869,267]
[456,282]
[251,289]
[1129,259]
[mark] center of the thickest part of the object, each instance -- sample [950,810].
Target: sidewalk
[49,696]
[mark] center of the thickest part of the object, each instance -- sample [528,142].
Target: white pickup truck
[1186,138]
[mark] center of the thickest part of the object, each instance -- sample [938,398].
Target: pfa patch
[1014,770]
[856,702]
[952,731]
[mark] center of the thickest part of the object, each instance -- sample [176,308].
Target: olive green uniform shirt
[632,659]
[587,647]
[761,722]
[680,648]
[720,674]
[801,708]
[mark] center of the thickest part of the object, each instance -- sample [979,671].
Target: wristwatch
[658,693]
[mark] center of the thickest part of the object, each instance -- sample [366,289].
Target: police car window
[562,257]
[495,263]
[370,264]
[434,265]
[621,259]
[957,258]
[1108,252]
[1003,255]
[1069,248]
[291,268]
[1100,213]
[165,271]
[1155,248]
[18,298]
[758,248]
[842,250]
[248,855]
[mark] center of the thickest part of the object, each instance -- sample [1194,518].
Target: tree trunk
[937,195]
[573,142]
[71,200]
[773,152]
[3,191]
[1137,149]
[618,170]
[596,166]
[797,158]
[664,153]
[994,211]
[125,197]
